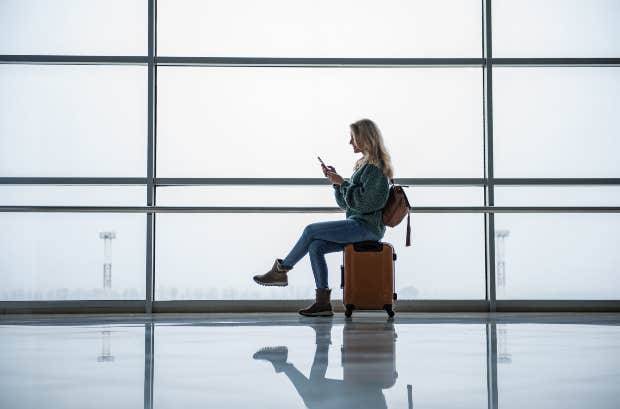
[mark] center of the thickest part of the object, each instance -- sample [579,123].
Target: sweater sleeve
[339,198]
[370,194]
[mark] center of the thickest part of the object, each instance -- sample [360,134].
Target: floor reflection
[278,361]
[368,360]
[106,354]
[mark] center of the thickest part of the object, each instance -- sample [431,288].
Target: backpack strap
[408,241]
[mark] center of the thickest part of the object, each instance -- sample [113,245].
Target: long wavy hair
[368,138]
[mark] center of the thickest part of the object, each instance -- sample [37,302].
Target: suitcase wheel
[389,310]
[348,310]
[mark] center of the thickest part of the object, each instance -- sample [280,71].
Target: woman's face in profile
[356,149]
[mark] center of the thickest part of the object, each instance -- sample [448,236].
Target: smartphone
[320,160]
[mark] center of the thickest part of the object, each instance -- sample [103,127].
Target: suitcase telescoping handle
[363,246]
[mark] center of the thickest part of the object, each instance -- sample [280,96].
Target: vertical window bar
[150,171]
[489,197]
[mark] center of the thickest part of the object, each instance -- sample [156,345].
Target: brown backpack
[396,207]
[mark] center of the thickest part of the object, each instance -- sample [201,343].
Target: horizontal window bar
[223,181]
[311,62]
[238,306]
[556,181]
[296,181]
[301,209]
[557,61]
[295,305]
[557,305]
[239,181]
[81,306]
[303,62]
[242,61]
[71,181]
[71,59]
[309,181]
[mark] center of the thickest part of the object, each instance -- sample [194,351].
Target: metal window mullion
[489,196]
[473,182]
[551,62]
[150,171]
[301,209]
[74,59]
[46,59]
[316,62]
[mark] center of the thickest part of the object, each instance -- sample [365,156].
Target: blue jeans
[321,238]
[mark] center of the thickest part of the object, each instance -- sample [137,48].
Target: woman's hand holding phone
[330,173]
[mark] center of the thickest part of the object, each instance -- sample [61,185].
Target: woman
[363,198]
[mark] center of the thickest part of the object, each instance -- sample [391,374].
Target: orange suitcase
[367,277]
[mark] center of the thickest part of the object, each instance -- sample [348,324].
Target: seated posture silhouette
[368,361]
[363,197]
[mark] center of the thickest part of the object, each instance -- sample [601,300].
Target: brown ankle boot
[322,307]
[276,276]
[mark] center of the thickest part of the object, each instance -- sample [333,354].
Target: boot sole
[318,314]
[280,284]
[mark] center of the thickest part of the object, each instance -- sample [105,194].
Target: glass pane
[214,256]
[273,122]
[321,28]
[556,28]
[72,120]
[557,195]
[74,27]
[569,256]
[576,366]
[244,195]
[72,366]
[557,256]
[556,122]
[445,259]
[63,195]
[198,254]
[72,256]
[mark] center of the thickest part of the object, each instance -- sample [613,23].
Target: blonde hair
[370,141]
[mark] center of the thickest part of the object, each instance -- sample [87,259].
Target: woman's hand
[330,173]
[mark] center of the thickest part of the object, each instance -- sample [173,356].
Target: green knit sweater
[364,197]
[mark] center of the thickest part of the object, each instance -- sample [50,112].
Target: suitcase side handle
[394,296]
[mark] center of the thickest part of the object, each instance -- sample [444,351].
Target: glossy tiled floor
[285,361]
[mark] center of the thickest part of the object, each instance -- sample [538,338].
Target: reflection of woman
[368,361]
[363,198]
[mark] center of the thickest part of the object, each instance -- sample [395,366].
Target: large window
[556,28]
[319,28]
[67,120]
[73,27]
[68,256]
[146,146]
[192,249]
[556,122]
[232,122]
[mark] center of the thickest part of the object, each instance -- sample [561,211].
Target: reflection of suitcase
[367,275]
[368,353]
